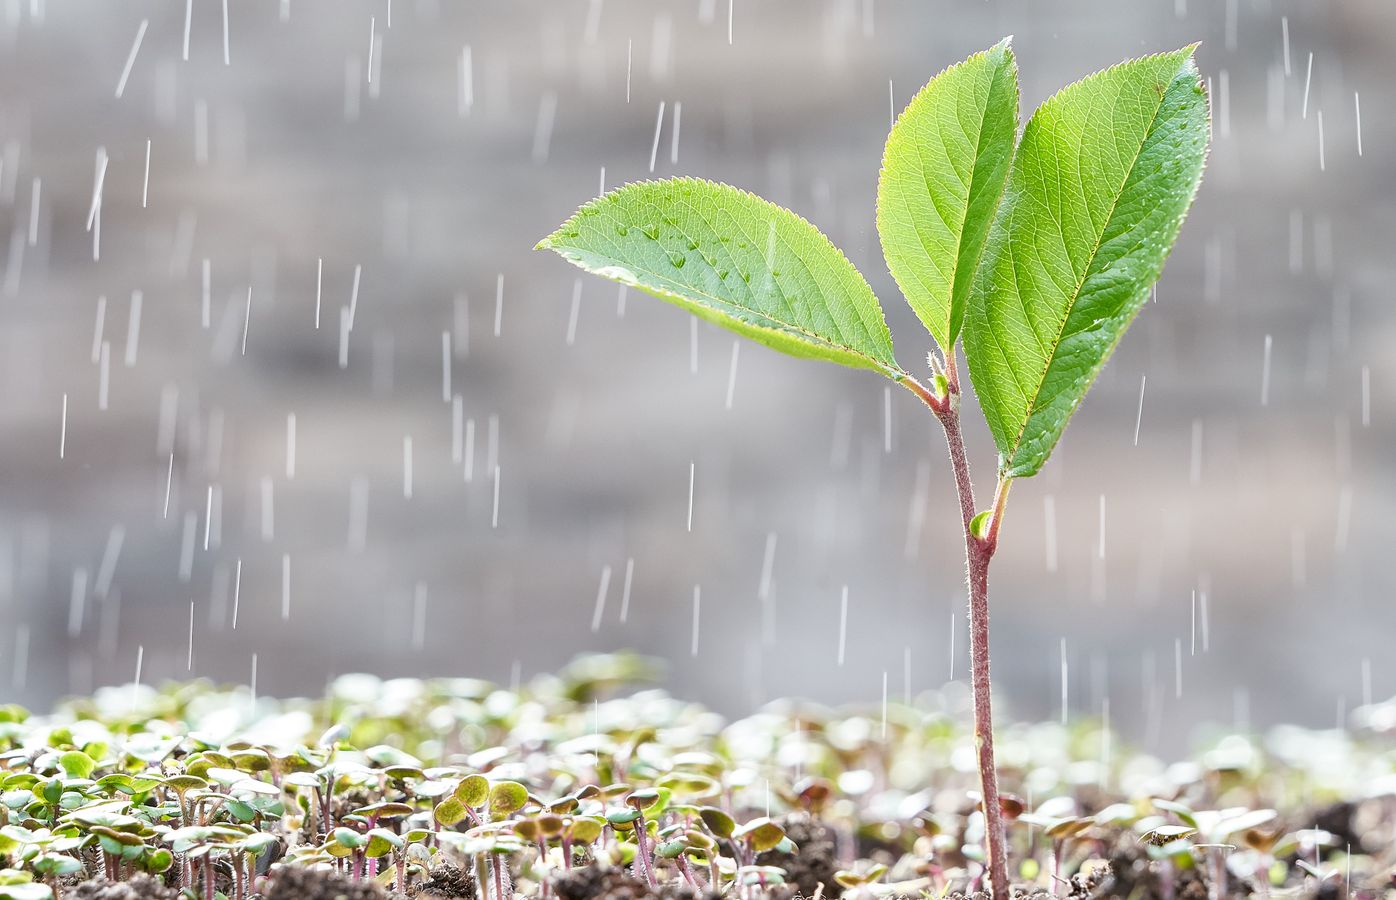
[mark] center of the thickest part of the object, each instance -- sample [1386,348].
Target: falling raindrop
[1065,682]
[625,590]
[1308,79]
[131,58]
[1139,416]
[1357,115]
[658,129]
[697,610]
[843,624]
[692,471]
[601,592]
[285,587]
[678,119]
[1101,545]
[1265,373]
[1284,37]
[732,374]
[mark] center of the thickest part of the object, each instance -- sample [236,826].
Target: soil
[594,883]
[1096,884]
[814,862]
[141,887]
[447,882]
[289,883]
[1337,820]
[1131,875]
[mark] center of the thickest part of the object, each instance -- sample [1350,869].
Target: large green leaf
[1101,181]
[732,258]
[943,173]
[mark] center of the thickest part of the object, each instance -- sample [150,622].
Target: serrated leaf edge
[952,334]
[1007,469]
[550,242]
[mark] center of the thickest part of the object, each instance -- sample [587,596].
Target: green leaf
[473,790]
[348,837]
[1100,184]
[506,797]
[77,764]
[718,821]
[943,172]
[450,811]
[584,829]
[762,834]
[730,257]
[26,892]
[51,865]
[157,861]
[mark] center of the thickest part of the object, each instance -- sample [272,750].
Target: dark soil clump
[815,860]
[311,884]
[141,887]
[447,882]
[593,883]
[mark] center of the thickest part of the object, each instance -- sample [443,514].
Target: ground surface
[432,789]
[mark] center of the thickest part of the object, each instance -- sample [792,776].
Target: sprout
[215,815]
[857,880]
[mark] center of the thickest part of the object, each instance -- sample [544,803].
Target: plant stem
[642,856]
[978,552]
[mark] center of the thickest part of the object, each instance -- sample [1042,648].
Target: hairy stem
[978,552]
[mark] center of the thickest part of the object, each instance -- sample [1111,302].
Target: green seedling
[12,887]
[1060,830]
[856,882]
[1216,832]
[694,783]
[1033,253]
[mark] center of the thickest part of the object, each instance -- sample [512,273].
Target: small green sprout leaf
[26,892]
[159,860]
[1101,181]
[719,823]
[53,865]
[77,764]
[450,811]
[349,838]
[584,829]
[734,259]
[762,834]
[473,791]
[1184,813]
[507,797]
[979,525]
[381,842]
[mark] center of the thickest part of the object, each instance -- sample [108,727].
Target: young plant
[1038,252]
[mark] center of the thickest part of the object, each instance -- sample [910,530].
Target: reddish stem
[642,853]
[978,552]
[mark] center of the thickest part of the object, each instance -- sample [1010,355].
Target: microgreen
[1037,252]
[723,807]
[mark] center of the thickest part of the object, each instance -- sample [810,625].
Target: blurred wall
[428,145]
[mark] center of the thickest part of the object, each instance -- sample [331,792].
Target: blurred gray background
[428,144]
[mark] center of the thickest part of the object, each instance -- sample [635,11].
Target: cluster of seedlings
[458,789]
